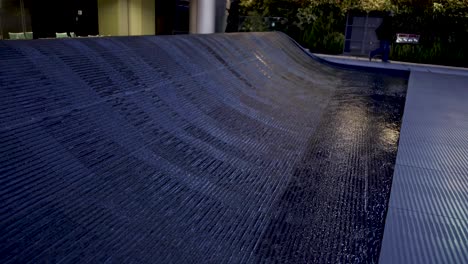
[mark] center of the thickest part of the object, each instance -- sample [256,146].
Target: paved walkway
[427,221]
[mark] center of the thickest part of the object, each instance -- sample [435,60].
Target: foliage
[253,23]
[443,26]
[333,42]
[319,24]
[375,5]
[432,54]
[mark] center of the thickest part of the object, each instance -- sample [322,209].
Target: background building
[111,17]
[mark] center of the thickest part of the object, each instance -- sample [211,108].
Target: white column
[206,16]
[202,16]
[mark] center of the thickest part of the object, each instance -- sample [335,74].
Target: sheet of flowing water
[192,149]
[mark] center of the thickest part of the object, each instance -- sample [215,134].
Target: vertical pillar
[141,17]
[123,16]
[148,17]
[202,16]
[193,9]
[126,17]
[23,16]
[206,16]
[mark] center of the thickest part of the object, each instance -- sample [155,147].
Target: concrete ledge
[392,65]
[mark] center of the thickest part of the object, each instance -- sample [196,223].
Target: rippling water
[192,149]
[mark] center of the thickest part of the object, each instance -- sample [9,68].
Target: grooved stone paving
[427,221]
[234,148]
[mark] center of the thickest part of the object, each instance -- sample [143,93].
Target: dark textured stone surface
[191,149]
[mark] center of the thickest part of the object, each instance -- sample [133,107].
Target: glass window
[15,20]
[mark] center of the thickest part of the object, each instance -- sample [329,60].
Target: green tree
[319,24]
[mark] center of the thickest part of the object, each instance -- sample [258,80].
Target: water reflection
[335,202]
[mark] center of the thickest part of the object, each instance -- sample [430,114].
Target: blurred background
[323,26]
